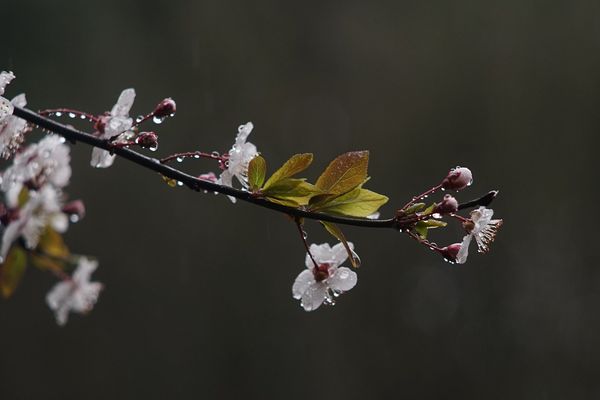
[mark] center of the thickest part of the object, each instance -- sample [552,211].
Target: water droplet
[139,119]
[196,155]
[215,154]
[227,164]
[71,115]
[172,115]
[154,148]
[179,183]
[62,139]
[179,159]
[436,215]
[158,120]
[82,116]
[74,218]
[58,114]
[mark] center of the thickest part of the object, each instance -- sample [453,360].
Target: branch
[74,136]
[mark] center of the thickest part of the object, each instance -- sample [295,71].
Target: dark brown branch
[74,136]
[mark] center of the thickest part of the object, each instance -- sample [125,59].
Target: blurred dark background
[198,292]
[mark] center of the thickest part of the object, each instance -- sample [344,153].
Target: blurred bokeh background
[198,301]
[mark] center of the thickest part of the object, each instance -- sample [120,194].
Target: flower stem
[303,236]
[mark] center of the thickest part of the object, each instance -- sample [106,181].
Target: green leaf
[414,208]
[291,192]
[428,210]
[345,173]
[422,227]
[52,251]
[434,223]
[12,271]
[356,203]
[297,163]
[257,170]
[337,233]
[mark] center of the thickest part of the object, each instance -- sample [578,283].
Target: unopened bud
[457,179]
[100,124]
[448,205]
[165,108]
[450,252]
[147,140]
[75,210]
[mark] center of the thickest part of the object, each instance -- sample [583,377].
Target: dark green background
[198,292]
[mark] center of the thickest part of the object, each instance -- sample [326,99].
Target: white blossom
[77,294]
[117,122]
[12,128]
[313,286]
[43,208]
[47,161]
[240,155]
[483,228]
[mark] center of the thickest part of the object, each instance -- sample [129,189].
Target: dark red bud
[165,108]
[100,124]
[75,209]
[457,179]
[450,252]
[448,205]
[147,140]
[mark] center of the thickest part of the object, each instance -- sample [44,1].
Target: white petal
[302,282]
[463,253]
[314,296]
[85,268]
[343,279]
[243,132]
[5,79]
[101,158]
[59,222]
[6,108]
[339,253]
[19,101]
[124,103]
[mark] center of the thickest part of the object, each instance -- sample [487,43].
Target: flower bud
[147,140]
[100,124]
[448,205]
[457,179]
[75,209]
[450,252]
[165,108]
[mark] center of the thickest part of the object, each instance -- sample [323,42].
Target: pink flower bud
[147,140]
[448,205]
[458,178]
[165,108]
[75,209]
[450,252]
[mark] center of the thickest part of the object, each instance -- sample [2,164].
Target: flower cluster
[12,129]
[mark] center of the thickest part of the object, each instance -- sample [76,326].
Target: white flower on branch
[47,161]
[116,123]
[12,128]
[239,156]
[43,208]
[316,285]
[77,294]
[483,228]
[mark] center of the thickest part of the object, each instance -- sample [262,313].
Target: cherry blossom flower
[43,208]
[313,286]
[12,128]
[483,228]
[47,161]
[239,156]
[117,122]
[77,294]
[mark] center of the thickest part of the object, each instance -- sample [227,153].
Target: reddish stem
[303,236]
[421,196]
[69,111]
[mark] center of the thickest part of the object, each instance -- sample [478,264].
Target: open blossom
[47,161]
[43,208]
[313,286]
[483,228]
[239,156]
[12,129]
[117,122]
[77,294]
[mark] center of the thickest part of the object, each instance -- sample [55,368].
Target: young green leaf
[422,227]
[291,192]
[12,271]
[356,203]
[344,173]
[337,233]
[414,208]
[297,163]
[257,170]
[52,251]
